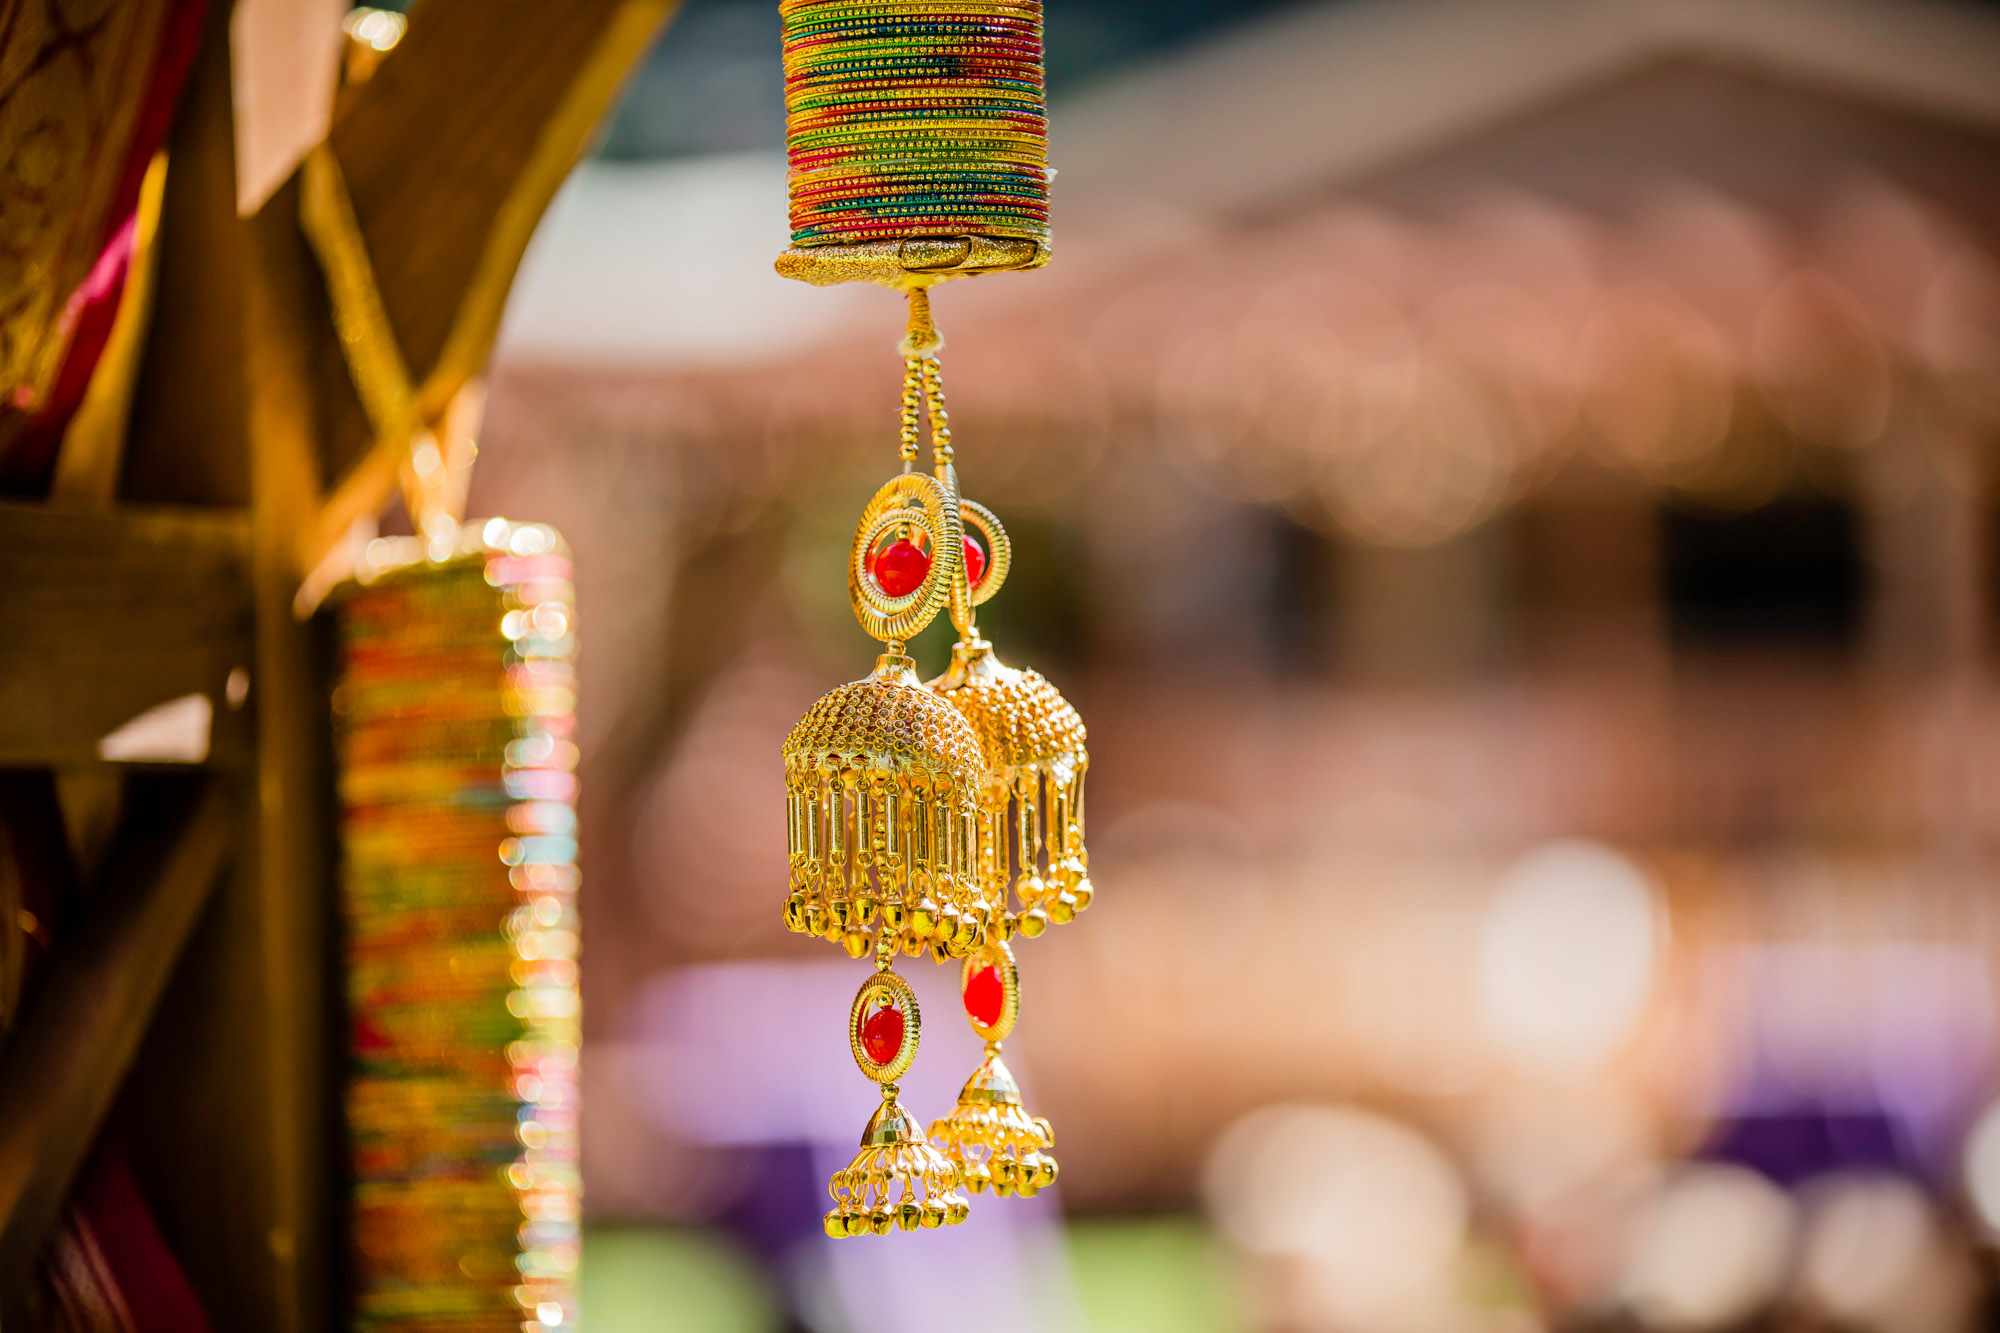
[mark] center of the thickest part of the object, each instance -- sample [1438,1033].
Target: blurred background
[1510,485]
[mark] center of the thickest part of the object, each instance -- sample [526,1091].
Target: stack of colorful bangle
[915,119]
[455,713]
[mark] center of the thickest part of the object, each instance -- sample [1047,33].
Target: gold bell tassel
[1030,837]
[897,1179]
[989,1135]
[883,777]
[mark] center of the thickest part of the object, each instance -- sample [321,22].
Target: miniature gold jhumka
[941,818]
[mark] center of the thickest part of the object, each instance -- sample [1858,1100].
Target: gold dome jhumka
[897,1179]
[991,1137]
[1032,796]
[1031,800]
[942,819]
[881,783]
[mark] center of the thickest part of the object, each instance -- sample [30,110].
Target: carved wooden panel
[72,75]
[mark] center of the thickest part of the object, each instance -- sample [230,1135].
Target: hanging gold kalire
[882,784]
[882,777]
[989,1135]
[897,1179]
[1031,799]
[942,819]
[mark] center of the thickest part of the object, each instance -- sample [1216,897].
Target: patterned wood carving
[72,76]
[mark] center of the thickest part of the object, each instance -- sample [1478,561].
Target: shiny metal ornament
[989,1136]
[917,142]
[897,1180]
[882,785]
[1030,838]
[912,508]
[882,776]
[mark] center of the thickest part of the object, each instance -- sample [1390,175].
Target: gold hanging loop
[921,341]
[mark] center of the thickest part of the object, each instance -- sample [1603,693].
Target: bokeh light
[1982,1168]
[1568,955]
[1712,1250]
[1374,1212]
[1873,1255]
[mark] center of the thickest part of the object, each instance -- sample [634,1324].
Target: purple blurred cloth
[1865,1055]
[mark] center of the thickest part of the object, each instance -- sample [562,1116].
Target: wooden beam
[111,613]
[186,444]
[236,1146]
[66,1059]
[452,151]
[294,846]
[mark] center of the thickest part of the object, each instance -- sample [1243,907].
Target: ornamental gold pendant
[1031,798]
[881,776]
[942,819]
[991,1139]
[882,781]
[897,1179]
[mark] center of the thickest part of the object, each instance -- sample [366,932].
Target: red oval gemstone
[985,997]
[900,567]
[882,1034]
[975,561]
